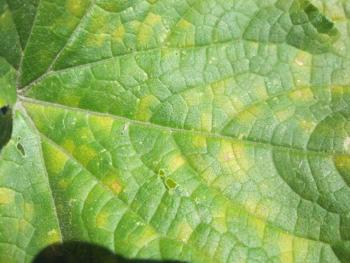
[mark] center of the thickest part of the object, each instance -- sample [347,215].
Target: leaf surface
[202,131]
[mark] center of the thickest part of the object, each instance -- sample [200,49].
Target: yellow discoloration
[147,29]
[144,111]
[199,141]
[219,217]
[285,243]
[206,121]
[226,152]
[53,236]
[118,33]
[302,95]
[184,24]
[86,154]
[175,162]
[69,145]
[184,232]
[241,151]
[153,19]
[284,114]
[7,196]
[55,160]
[258,225]
[343,162]
[303,59]
[84,133]
[307,125]
[28,211]
[102,124]
[209,175]
[301,246]
[70,100]
[63,184]
[148,234]
[102,220]
[250,204]
[76,7]
[112,182]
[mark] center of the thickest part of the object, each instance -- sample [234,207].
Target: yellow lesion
[85,154]
[144,111]
[53,236]
[243,159]
[147,28]
[206,121]
[28,211]
[148,234]
[118,33]
[303,59]
[184,232]
[102,219]
[76,7]
[112,182]
[103,124]
[199,141]
[7,196]
[285,243]
[284,114]
[307,126]
[70,99]
[184,24]
[55,160]
[259,226]
[175,161]
[69,145]
[302,95]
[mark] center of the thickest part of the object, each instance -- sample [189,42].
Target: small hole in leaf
[170,183]
[5,125]
[161,173]
[20,148]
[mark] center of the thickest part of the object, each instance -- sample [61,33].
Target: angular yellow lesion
[184,232]
[303,59]
[69,145]
[118,33]
[284,114]
[148,234]
[184,24]
[85,154]
[175,162]
[243,159]
[259,226]
[144,111]
[307,126]
[206,121]
[102,219]
[147,28]
[70,100]
[7,196]
[102,124]
[302,95]
[55,160]
[112,182]
[76,7]
[28,211]
[285,243]
[199,141]
[53,236]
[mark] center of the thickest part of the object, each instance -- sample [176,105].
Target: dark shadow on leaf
[5,125]
[76,252]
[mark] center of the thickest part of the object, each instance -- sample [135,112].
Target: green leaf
[200,131]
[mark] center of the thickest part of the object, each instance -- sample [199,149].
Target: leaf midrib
[288,148]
